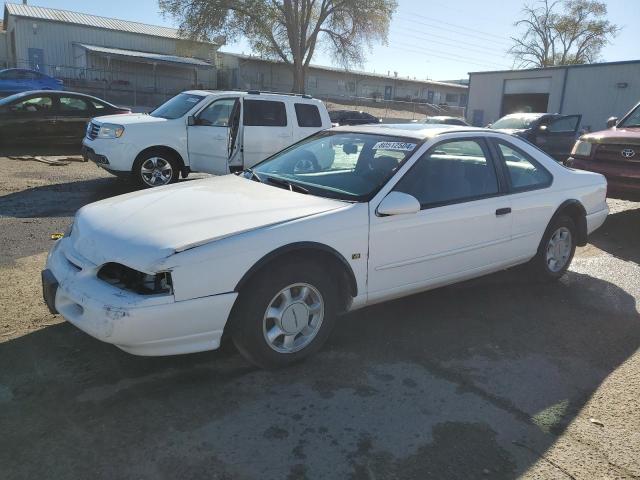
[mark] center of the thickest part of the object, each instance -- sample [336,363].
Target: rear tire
[155,169]
[556,249]
[285,314]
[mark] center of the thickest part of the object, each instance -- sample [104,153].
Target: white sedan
[271,256]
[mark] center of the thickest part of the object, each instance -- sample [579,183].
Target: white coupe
[271,256]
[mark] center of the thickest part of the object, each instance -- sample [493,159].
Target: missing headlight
[126,278]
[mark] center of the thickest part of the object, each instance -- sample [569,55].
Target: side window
[9,75]
[73,105]
[524,172]
[308,115]
[564,125]
[264,113]
[451,172]
[217,114]
[33,105]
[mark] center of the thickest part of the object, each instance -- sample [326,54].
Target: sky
[428,39]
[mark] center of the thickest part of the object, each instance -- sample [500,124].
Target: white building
[596,91]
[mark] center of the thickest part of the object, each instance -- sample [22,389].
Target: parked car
[352,117]
[271,255]
[551,132]
[615,153]
[14,80]
[203,131]
[49,116]
[444,120]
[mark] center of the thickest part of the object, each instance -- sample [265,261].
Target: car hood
[144,228]
[129,119]
[614,135]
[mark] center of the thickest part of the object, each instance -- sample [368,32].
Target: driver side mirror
[612,122]
[543,128]
[191,121]
[398,203]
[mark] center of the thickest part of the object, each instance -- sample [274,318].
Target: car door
[308,120]
[208,137]
[73,114]
[528,182]
[30,119]
[266,129]
[462,230]
[558,135]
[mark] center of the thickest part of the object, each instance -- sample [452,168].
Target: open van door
[209,135]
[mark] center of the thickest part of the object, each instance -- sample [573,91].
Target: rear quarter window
[307,115]
[264,113]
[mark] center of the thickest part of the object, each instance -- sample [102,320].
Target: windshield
[633,120]
[342,165]
[514,122]
[177,106]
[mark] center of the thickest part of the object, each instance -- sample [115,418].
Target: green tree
[289,30]
[562,32]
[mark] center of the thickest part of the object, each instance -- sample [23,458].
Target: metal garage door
[527,85]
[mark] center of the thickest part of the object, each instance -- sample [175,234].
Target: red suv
[615,153]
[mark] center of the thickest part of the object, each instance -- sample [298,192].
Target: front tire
[155,169]
[284,314]
[556,249]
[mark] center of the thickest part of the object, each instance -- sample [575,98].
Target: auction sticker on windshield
[406,147]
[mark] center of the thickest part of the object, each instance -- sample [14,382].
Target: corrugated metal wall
[595,91]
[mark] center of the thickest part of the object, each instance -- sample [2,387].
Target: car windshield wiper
[252,175]
[294,187]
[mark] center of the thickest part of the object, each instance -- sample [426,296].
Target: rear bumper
[596,219]
[622,179]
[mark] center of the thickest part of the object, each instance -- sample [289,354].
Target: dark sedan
[551,132]
[54,117]
[352,117]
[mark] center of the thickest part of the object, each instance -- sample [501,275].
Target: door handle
[503,211]
[284,135]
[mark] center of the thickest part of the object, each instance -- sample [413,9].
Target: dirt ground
[494,378]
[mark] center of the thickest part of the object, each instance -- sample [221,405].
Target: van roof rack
[258,92]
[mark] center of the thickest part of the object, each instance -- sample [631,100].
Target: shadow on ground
[462,382]
[620,236]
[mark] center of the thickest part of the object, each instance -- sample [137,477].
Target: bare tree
[562,32]
[289,30]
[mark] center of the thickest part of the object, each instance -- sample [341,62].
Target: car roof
[57,92]
[419,131]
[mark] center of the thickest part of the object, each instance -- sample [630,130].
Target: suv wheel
[283,316]
[156,169]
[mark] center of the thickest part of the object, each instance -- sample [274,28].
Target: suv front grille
[614,153]
[92,131]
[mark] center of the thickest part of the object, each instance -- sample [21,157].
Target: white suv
[204,131]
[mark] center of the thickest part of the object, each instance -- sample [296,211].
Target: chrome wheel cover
[293,318]
[559,249]
[156,171]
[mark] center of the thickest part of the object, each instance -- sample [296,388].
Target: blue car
[15,80]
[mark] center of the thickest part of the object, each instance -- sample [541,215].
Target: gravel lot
[494,378]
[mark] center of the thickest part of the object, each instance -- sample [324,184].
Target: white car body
[200,148]
[211,233]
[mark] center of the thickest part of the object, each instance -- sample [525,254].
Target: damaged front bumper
[138,324]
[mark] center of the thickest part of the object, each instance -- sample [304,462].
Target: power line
[450,57]
[460,44]
[432,19]
[467,34]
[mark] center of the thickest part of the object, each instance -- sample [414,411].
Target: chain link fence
[144,90]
